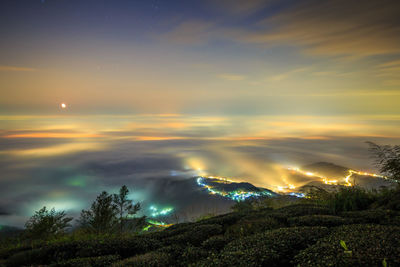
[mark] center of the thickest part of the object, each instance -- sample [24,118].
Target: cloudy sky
[162,89]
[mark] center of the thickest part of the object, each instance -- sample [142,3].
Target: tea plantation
[296,235]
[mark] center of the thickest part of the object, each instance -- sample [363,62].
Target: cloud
[332,73]
[393,82]
[285,75]
[329,28]
[334,28]
[13,68]
[231,77]
[72,176]
[389,69]
[4,212]
[54,150]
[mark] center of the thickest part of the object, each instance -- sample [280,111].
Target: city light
[343,181]
[236,195]
[155,212]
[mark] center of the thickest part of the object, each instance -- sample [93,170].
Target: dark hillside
[305,234]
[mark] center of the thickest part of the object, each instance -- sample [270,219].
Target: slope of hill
[301,234]
[327,169]
[329,176]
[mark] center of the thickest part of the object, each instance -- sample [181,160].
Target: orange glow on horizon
[53,135]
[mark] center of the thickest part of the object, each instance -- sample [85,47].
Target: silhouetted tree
[102,215]
[387,159]
[46,223]
[124,206]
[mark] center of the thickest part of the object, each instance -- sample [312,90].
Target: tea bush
[370,216]
[223,220]
[248,227]
[63,251]
[196,235]
[369,245]
[215,243]
[272,248]
[100,261]
[304,209]
[317,220]
[150,259]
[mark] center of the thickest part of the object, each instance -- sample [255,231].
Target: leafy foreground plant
[369,245]
[46,224]
[272,248]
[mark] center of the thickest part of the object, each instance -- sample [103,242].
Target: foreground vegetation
[348,227]
[306,234]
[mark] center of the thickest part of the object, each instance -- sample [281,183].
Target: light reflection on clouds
[45,163]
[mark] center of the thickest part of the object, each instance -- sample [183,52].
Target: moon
[63,105]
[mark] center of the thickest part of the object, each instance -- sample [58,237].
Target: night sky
[169,89]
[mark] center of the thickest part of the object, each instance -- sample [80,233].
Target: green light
[146,228]
[156,222]
[155,212]
[78,181]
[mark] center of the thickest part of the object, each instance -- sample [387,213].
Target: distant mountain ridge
[333,171]
[233,186]
[327,169]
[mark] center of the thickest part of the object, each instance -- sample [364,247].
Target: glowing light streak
[153,223]
[291,186]
[146,228]
[155,212]
[237,195]
[159,224]
[325,180]
[300,195]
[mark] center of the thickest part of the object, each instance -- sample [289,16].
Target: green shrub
[171,231]
[174,250]
[257,214]
[5,253]
[190,255]
[149,259]
[248,227]
[89,262]
[317,220]
[46,224]
[388,198]
[369,245]
[303,209]
[370,216]
[215,243]
[272,248]
[46,254]
[243,206]
[125,247]
[224,220]
[347,199]
[394,221]
[196,235]
[37,256]
[63,251]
